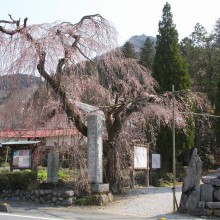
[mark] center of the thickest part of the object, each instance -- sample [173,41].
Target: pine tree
[169,67]
[147,54]
[128,50]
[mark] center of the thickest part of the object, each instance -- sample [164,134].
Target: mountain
[138,41]
[15,92]
[14,81]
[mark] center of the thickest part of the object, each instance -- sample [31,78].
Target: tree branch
[18,28]
[66,104]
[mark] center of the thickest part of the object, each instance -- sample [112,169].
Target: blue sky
[130,17]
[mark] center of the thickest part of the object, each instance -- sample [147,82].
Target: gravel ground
[154,202]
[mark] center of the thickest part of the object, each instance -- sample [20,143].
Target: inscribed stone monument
[191,185]
[52,167]
[95,151]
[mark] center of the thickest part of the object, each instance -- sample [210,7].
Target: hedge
[17,179]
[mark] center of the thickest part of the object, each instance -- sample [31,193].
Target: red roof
[37,133]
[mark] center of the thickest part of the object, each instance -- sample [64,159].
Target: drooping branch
[55,84]
[17,22]
[60,90]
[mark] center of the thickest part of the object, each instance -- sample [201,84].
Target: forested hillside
[15,91]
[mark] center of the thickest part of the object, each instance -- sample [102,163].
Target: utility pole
[174,152]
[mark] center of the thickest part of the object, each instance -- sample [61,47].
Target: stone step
[212,205]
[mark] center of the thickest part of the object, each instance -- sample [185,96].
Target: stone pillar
[52,167]
[218,173]
[95,153]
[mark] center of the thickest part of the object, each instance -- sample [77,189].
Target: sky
[130,17]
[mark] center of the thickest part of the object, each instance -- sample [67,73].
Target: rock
[57,203]
[48,197]
[4,207]
[42,192]
[215,182]
[218,173]
[201,212]
[21,193]
[103,199]
[42,200]
[67,202]
[37,200]
[14,198]
[212,205]
[59,194]
[28,196]
[54,193]
[36,193]
[201,205]
[67,194]
[17,192]
[191,185]
[54,199]
[217,195]
[110,197]
[217,212]
[48,191]
[206,193]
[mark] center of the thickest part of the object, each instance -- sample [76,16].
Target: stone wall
[210,196]
[47,197]
[200,199]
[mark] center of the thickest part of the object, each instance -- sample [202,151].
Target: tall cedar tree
[128,50]
[147,54]
[217,97]
[169,67]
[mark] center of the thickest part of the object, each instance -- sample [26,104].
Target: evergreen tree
[200,52]
[128,50]
[217,112]
[169,67]
[147,54]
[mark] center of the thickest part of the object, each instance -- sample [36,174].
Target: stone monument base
[4,207]
[99,187]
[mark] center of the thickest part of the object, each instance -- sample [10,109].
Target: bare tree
[59,51]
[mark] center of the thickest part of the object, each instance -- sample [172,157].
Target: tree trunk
[113,169]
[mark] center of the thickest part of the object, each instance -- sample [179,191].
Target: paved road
[9,216]
[58,215]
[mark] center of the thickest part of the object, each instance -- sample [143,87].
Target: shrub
[17,179]
[162,178]
[3,181]
[64,174]
[180,172]
[88,200]
[42,174]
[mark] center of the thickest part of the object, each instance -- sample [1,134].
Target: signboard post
[141,160]
[22,153]
[156,161]
[22,159]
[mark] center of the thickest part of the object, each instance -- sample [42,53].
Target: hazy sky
[130,17]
